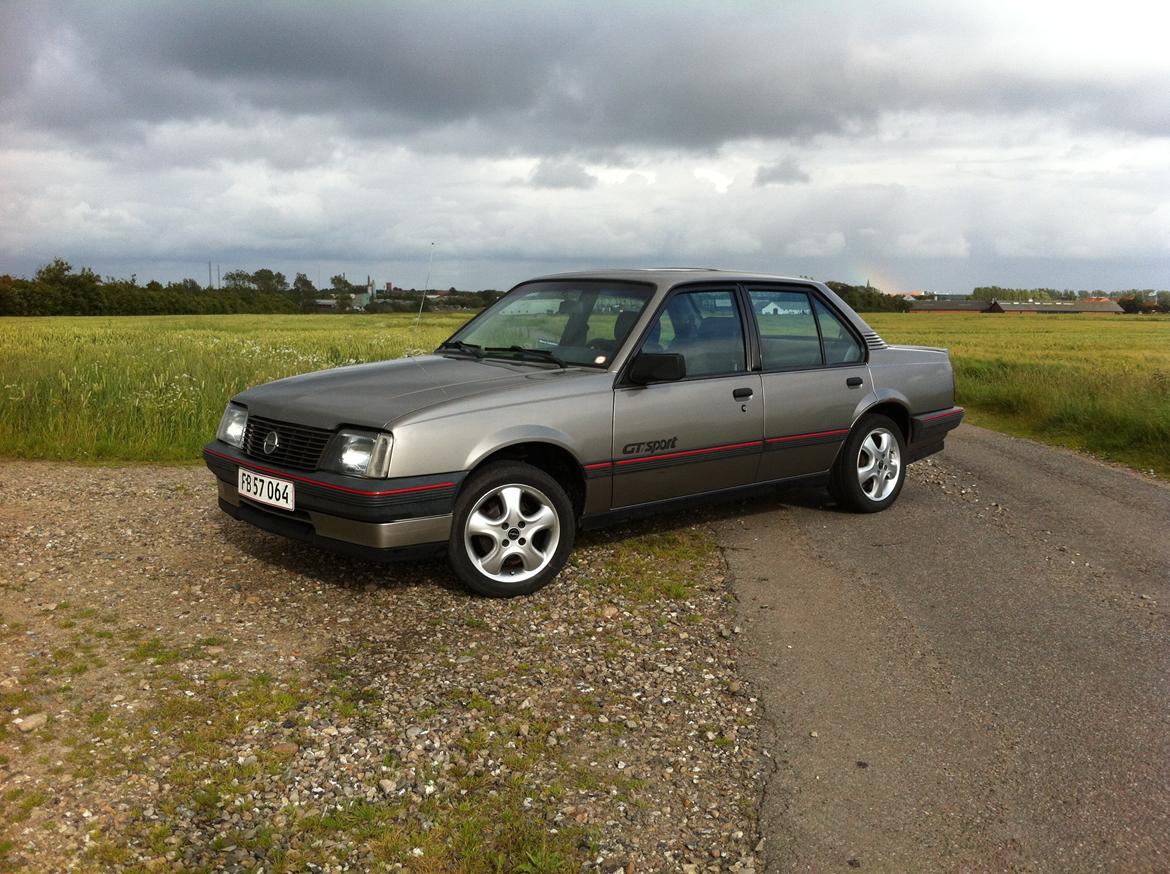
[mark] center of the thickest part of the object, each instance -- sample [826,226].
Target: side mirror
[657,367]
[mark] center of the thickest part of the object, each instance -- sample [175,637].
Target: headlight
[232,425]
[360,453]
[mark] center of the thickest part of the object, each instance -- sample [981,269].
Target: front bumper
[369,518]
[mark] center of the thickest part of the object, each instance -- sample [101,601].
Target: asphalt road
[977,679]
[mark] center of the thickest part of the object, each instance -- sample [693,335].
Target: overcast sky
[931,145]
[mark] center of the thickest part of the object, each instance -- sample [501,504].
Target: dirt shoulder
[183,692]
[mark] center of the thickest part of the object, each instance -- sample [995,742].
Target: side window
[705,328]
[788,329]
[841,347]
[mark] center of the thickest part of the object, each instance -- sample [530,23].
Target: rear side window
[841,347]
[788,329]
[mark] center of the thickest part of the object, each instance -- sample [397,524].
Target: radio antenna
[426,285]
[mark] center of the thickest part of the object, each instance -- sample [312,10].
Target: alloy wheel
[512,533]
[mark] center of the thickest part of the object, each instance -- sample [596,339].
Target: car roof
[666,277]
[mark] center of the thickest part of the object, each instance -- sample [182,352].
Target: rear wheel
[871,469]
[512,532]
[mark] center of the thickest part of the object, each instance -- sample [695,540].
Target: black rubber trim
[303,531]
[622,514]
[816,438]
[934,426]
[408,498]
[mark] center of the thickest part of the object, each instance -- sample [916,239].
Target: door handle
[853,381]
[742,394]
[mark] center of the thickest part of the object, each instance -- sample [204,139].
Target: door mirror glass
[657,367]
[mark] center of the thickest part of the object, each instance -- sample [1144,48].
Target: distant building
[363,295]
[948,306]
[1105,307]
[325,304]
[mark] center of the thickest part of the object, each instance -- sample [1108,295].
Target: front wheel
[869,473]
[512,532]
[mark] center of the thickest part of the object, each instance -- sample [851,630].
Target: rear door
[701,433]
[814,375]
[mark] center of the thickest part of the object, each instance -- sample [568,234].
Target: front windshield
[570,322]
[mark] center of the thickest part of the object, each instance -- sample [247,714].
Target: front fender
[494,441]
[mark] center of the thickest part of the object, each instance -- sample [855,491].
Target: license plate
[266,489]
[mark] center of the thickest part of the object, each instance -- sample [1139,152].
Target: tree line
[1134,300]
[864,299]
[58,290]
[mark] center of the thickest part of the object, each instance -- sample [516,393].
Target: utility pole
[209,274]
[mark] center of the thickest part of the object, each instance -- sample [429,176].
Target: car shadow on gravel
[354,573]
[336,570]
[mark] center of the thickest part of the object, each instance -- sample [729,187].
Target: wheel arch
[893,408]
[550,455]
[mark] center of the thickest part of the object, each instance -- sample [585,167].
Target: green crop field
[151,388]
[1097,383]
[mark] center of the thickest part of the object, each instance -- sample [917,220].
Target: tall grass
[152,388]
[1099,383]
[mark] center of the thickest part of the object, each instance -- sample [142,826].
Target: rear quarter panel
[919,378]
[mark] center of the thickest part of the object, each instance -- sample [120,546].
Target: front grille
[297,447]
[873,341]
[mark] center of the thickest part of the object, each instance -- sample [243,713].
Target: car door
[698,434]
[814,376]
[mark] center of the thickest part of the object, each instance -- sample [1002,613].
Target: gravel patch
[181,691]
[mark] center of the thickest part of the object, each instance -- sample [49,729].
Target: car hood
[376,395]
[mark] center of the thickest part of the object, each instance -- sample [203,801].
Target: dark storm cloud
[785,172]
[554,174]
[533,78]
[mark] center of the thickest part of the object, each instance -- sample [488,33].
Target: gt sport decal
[650,446]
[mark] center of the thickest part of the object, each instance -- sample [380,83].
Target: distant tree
[266,280]
[340,284]
[864,299]
[344,302]
[307,292]
[238,279]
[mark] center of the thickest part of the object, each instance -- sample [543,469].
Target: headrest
[624,323]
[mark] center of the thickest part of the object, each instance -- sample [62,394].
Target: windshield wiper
[525,352]
[459,346]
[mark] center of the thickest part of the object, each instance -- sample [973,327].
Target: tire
[488,549]
[870,470]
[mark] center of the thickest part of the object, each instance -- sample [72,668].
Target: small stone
[813,734]
[31,723]
[386,786]
[610,612]
[9,686]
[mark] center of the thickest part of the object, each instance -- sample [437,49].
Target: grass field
[1097,383]
[152,388]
